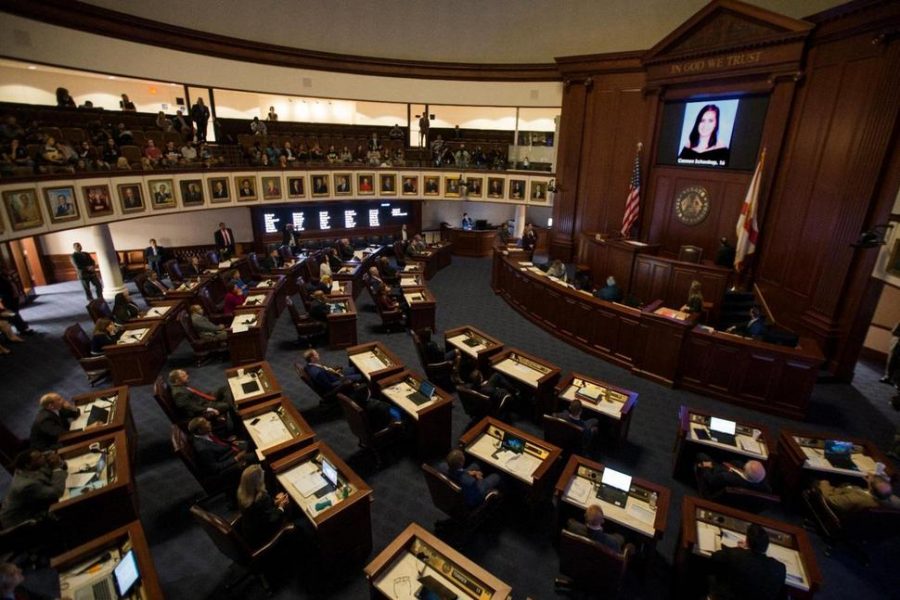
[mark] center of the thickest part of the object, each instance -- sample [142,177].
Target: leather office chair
[211,484]
[256,271]
[213,309]
[370,439]
[692,254]
[567,436]
[400,253]
[439,372]
[327,397]
[163,395]
[390,318]
[139,280]
[303,292]
[448,497]
[742,498]
[98,309]
[311,266]
[95,367]
[476,405]
[173,268]
[225,536]
[308,329]
[201,346]
[212,257]
[590,567]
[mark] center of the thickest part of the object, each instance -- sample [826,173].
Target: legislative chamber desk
[436,257]
[397,573]
[341,322]
[762,376]
[166,312]
[186,291]
[248,336]
[752,442]
[340,288]
[374,361]
[138,355]
[99,482]
[474,242]
[352,273]
[102,412]
[642,519]
[276,427]
[252,383]
[262,300]
[341,519]
[412,279]
[707,526]
[104,552]
[421,305]
[431,420]
[476,347]
[530,373]
[290,271]
[614,257]
[801,460]
[276,285]
[533,469]
[613,406]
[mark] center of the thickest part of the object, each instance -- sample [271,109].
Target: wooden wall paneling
[629,340]
[571,132]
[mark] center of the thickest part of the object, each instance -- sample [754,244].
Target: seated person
[592,528]
[610,291]
[124,309]
[153,287]
[261,514]
[475,486]
[849,498]
[271,261]
[233,298]
[715,477]
[373,280]
[11,580]
[385,301]
[573,414]
[333,261]
[694,302]
[318,306]
[557,269]
[234,278]
[497,388]
[385,269]
[755,327]
[195,269]
[434,354]
[53,419]
[192,402]
[216,456]
[39,480]
[205,328]
[328,379]
[106,333]
[416,246]
[345,249]
[746,572]
[312,286]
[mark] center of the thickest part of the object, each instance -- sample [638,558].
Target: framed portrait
[246,188]
[495,187]
[343,185]
[320,185]
[365,184]
[410,185]
[516,189]
[131,197]
[191,192]
[271,188]
[61,204]
[97,201]
[162,193]
[538,191]
[219,190]
[432,185]
[296,187]
[23,209]
[475,187]
[387,184]
[451,186]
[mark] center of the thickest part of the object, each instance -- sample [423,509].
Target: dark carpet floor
[516,548]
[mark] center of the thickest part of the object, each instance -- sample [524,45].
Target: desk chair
[162,393]
[225,536]
[327,398]
[571,438]
[139,280]
[439,372]
[737,497]
[212,257]
[95,367]
[202,346]
[211,484]
[98,308]
[10,446]
[592,568]
[212,309]
[691,254]
[476,405]
[173,268]
[400,253]
[374,441]
[390,319]
[448,497]
[309,331]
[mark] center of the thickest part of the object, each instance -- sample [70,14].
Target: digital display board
[328,216]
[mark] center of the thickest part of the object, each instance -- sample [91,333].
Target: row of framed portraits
[66,204]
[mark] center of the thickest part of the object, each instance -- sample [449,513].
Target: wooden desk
[395,572]
[276,427]
[754,442]
[411,280]
[187,291]
[614,257]
[341,288]
[138,355]
[534,468]
[116,542]
[374,360]
[276,285]
[411,268]
[290,271]
[119,418]
[579,484]
[351,272]
[664,331]
[701,523]
[428,261]
[533,374]
[612,405]
[248,336]
[431,420]
[475,345]
[341,322]
[472,242]
[110,492]
[343,530]
[260,380]
[262,300]
[421,305]
[166,312]
[444,252]
[801,460]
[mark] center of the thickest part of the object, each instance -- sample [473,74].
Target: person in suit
[725,253]
[497,388]
[233,298]
[345,249]
[87,271]
[105,333]
[434,354]
[124,309]
[592,528]
[755,327]
[246,190]
[153,287]
[200,117]
[416,246]
[195,269]
[384,300]
[467,223]
[261,514]
[153,255]
[289,236]
[39,480]
[849,498]
[558,269]
[574,414]
[192,402]
[204,327]
[475,486]
[715,477]
[318,306]
[745,572]
[329,378]
[224,239]
[342,184]
[610,291]
[385,269]
[529,239]
[215,455]
[53,419]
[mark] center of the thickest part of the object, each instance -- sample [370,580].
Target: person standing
[200,117]
[87,271]
[467,223]
[224,238]
[153,254]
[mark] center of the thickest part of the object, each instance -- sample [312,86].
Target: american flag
[633,201]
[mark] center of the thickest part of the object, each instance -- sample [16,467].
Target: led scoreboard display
[332,215]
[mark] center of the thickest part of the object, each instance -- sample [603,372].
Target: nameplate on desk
[157,311]
[241,324]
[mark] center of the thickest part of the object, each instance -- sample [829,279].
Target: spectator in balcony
[360,154]
[152,155]
[126,104]
[206,156]
[163,123]
[111,154]
[172,155]
[87,104]
[98,134]
[373,157]
[89,157]
[68,152]
[374,142]
[287,153]
[11,129]
[332,155]
[53,158]
[124,137]
[255,154]
[200,116]
[182,125]
[462,157]
[258,127]
[479,159]
[316,154]
[17,154]
[189,152]
[63,99]
[272,116]
[346,156]
[395,133]
[424,124]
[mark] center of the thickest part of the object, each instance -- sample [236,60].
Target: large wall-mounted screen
[328,216]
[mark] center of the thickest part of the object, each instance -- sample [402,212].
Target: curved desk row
[766,377]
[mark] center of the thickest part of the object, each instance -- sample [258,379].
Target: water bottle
[653,496]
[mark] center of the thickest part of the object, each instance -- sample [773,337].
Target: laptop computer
[614,487]
[722,430]
[97,415]
[512,443]
[330,475]
[423,395]
[117,584]
[839,454]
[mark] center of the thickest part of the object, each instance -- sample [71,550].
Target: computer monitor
[481,224]
[512,443]
[426,388]
[615,479]
[722,425]
[329,472]
[838,448]
[126,574]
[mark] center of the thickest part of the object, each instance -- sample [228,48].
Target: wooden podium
[614,257]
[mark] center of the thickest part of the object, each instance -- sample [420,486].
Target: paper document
[158,311]
[580,490]
[750,445]
[78,480]
[642,514]
[526,263]
[790,559]
[707,537]
[270,429]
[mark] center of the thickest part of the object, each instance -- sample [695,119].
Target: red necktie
[203,395]
[226,237]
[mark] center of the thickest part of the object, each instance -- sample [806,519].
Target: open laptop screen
[722,426]
[126,574]
[426,388]
[329,472]
[615,479]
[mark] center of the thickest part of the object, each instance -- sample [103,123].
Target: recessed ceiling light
[32,68]
[111,77]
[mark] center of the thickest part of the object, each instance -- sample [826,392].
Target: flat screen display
[615,479]
[126,574]
[722,426]
[329,216]
[329,472]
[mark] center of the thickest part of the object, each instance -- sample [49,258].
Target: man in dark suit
[592,528]
[39,481]
[755,327]
[318,307]
[52,420]
[87,271]
[746,572]
[474,484]
[224,238]
[610,291]
[215,455]
[327,378]
[192,402]
[574,415]
[289,236]
[715,477]
[345,249]
[153,287]
[154,254]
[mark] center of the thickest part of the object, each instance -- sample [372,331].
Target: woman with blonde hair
[695,298]
[261,515]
